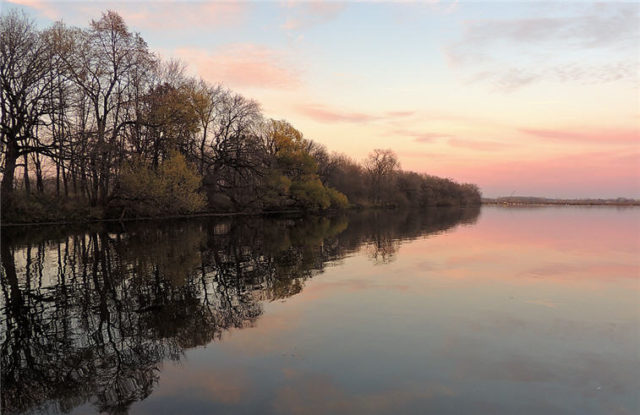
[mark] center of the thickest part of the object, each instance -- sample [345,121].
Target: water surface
[527,311]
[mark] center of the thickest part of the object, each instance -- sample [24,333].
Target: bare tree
[101,64]
[25,83]
[381,166]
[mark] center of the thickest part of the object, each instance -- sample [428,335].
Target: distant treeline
[528,200]
[95,125]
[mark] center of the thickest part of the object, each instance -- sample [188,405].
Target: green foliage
[276,189]
[310,194]
[295,171]
[172,188]
[338,200]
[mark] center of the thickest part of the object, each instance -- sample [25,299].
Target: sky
[521,98]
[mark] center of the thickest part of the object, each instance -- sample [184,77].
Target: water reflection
[89,316]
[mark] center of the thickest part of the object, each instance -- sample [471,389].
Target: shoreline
[118,220]
[301,212]
[215,214]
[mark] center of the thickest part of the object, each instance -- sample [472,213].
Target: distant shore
[542,201]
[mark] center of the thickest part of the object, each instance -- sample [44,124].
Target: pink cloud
[624,136]
[400,113]
[323,114]
[45,8]
[420,137]
[149,15]
[187,15]
[481,145]
[242,65]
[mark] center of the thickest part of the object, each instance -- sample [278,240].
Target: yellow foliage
[171,189]
[338,199]
[311,194]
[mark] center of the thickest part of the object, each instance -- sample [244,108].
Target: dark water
[511,311]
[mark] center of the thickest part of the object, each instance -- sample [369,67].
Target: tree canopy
[98,120]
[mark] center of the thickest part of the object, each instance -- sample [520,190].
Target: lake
[446,311]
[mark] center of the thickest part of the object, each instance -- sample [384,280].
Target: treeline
[93,123]
[532,200]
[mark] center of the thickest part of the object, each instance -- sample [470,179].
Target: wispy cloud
[150,14]
[480,145]
[243,65]
[46,8]
[304,14]
[510,79]
[419,136]
[610,136]
[323,113]
[512,53]
[184,15]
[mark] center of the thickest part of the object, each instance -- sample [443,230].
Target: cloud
[183,15]
[419,136]
[594,44]
[243,65]
[45,8]
[507,80]
[323,113]
[480,145]
[510,79]
[621,136]
[429,137]
[148,15]
[400,113]
[303,15]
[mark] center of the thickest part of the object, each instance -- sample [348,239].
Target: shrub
[172,188]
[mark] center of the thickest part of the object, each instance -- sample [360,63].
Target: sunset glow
[520,98]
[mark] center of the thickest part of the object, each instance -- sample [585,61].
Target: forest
[94,125]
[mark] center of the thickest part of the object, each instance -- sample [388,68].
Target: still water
[498,311]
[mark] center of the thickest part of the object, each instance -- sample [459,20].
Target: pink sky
[523,98]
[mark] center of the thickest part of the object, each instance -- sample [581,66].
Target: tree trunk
[25,175]
[39,181]
[6,187]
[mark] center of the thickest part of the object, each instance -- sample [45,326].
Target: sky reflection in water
[524,311]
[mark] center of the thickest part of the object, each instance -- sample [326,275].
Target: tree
[25,83]
[235,152]
[381,166]
[171,188]
[81,107]
[294,166]
[205,99]
[103,61]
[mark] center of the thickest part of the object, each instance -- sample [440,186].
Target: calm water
[503,311]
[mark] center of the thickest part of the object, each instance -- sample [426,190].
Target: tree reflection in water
[89,315]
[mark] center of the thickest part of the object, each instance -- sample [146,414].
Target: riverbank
[288,212]
[166,217]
